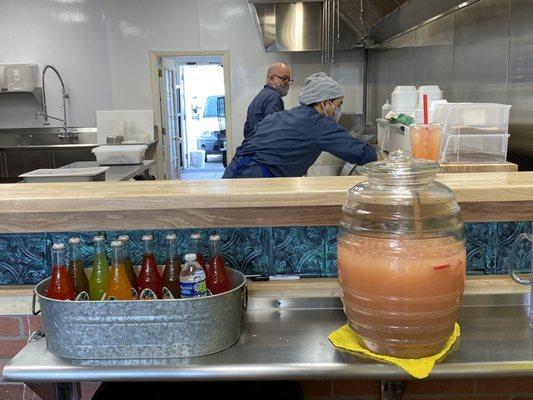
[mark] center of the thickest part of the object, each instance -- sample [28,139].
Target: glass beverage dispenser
[401,258]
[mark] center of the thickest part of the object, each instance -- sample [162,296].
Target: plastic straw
[426,116]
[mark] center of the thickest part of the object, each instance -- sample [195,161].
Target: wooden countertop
[52,207]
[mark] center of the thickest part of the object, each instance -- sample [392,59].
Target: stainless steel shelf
[287,339]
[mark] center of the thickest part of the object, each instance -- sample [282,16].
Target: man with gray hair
[289,142]
[270,98]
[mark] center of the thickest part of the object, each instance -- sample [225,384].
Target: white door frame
[156,105]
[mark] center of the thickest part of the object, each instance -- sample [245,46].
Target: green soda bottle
[100,273]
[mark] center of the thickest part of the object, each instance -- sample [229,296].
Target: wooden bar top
[52,207]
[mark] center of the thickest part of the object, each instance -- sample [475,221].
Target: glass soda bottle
[196,248]
[76,270]
[119,287]
[171,275]
[192,278]
[60,286]
[217,279]
[128,264]
[149,282]
[100,274]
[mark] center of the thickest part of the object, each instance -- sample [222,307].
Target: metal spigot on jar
[401,258]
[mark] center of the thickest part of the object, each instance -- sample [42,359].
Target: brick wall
[453,389]
[14,330]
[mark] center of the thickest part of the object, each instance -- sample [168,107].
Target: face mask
[283,90]
[337,112]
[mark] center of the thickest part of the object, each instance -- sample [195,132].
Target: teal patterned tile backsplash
[25,258]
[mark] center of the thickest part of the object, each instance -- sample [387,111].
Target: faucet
[44,113]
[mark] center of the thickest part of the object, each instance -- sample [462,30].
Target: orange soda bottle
[171,275]
[128,264]
[217,279]
[60,286]
[76,270]
[119,287]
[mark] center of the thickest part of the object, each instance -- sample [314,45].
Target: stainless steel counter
[287,339]
[117,172]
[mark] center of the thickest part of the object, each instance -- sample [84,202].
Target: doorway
[190,103]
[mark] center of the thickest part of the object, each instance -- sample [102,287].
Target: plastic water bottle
[192,278]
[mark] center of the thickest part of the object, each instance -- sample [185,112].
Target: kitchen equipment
[118,155]
[65,175]
[515,253]
[473,132]
[143,329]
[401,258]
[19,78]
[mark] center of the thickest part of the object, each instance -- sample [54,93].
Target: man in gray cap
[289,142]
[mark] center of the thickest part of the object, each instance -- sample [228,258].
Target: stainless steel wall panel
[378,83]
[433,55]
[520,90]
[481,52]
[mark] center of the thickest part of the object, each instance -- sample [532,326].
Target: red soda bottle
[149,283]
[60,286]
[171,276]
[217,279]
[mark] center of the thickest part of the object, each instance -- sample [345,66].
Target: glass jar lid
[401,168]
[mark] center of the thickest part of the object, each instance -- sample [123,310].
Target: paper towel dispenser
[19,78]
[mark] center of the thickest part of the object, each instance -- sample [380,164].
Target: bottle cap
[147,237]
[214,238]
[116,243]
[196,236]
[190,257]
[99,238]
[74,240]
[58,246]
[124,238]
[170,236]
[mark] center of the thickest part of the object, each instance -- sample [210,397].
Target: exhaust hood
[313,25]
[328,25]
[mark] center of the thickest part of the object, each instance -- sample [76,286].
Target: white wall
[71,35]
[102,49]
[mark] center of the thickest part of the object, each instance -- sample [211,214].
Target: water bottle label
[133,293]
[147,294]
[82,296]
[167,294]
[193,289]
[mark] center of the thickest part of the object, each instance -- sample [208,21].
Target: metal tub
[143,329]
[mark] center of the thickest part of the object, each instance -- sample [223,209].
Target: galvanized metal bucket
[143,329]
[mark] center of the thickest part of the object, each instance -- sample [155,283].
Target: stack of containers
[404,100]
[473,132]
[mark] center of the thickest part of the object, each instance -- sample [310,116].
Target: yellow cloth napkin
[345,338]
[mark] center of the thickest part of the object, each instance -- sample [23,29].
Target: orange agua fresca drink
[402,296]
[425,141]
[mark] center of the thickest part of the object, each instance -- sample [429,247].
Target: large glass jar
[401,258]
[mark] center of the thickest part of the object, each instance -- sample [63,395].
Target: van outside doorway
[191,108]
